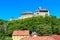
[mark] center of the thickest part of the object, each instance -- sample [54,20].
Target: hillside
[42,25]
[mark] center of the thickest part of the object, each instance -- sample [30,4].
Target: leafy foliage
[47,25]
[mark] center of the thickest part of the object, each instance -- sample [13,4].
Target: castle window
[37,13]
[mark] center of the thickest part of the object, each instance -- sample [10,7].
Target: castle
[39,12]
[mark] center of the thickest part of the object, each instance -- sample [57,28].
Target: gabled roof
[20,32]
[39,38]
[56,37]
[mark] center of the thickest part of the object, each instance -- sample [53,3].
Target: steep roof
[20,32]
[56,37]
[42,10]
[27,13]
[39,38]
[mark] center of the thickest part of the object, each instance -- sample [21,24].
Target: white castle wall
[25,16]
[41,13]
[37,13]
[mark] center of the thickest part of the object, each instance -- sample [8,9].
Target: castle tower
[41,12]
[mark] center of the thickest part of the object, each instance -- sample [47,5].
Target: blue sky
[14,8]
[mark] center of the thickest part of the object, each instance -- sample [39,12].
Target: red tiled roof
[20,32]
[56,37]
[39,38]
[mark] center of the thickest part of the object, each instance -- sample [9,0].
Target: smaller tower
[11,19]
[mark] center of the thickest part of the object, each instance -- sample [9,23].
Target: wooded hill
[42,25]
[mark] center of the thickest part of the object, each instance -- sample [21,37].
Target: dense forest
[47,25]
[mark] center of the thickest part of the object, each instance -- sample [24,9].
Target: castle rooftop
[27,13]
